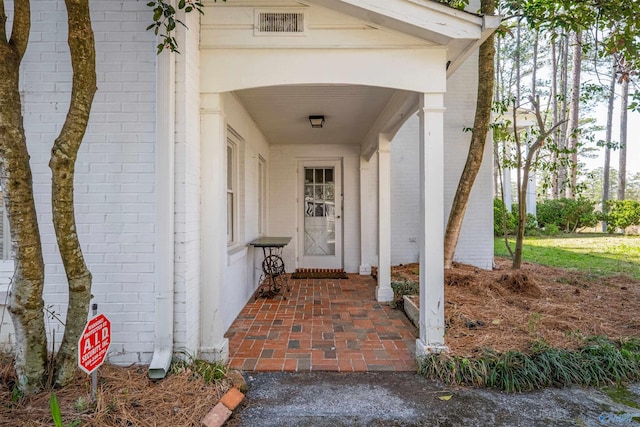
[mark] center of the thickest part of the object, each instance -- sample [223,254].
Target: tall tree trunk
[573,130]
[555,187]
[62,164]
[25,302]
[534,70]
[478,139]
[562,145]
[496,96]
[622,160]
[607,149]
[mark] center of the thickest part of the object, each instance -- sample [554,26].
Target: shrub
[512,222]
[551,229]
[622,213]
[567,214]
[401,288]
[598,362]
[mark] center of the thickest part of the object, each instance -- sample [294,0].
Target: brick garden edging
[220,413]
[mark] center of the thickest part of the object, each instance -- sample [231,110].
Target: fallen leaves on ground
[505,310]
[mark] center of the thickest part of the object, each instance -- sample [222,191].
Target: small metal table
[273,277]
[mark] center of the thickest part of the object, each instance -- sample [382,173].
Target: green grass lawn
[601,254]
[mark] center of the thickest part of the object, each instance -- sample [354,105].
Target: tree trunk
[526,169]
[478,139]
[62,164]
[562,143]
[534,70]
[607,149]
[25,301]
[555,187]
[573,126]
[622,160]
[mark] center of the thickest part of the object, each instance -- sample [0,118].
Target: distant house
[190,157]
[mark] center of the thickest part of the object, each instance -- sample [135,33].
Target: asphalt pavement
[406,399]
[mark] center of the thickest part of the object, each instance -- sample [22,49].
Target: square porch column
[366,240]
[431,334]
[384,293]
[213,244]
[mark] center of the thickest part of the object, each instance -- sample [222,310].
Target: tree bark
[607,149]
[574,116]
[622,159]
[555,187]
[25,301]
[562,142]
[62,164]
[478,139]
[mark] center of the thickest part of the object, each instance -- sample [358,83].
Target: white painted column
[365,218]
[506,188]
[213,243]
[431,113]
[532,194]
[383,290]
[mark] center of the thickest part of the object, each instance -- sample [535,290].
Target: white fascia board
[427,20]
[460,50]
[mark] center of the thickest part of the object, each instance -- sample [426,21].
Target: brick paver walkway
[323,325]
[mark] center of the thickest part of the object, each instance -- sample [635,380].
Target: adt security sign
[94,343]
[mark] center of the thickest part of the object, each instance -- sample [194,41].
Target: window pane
[308,175]
[328,175]
[319,176]
[230,235]
[229,167]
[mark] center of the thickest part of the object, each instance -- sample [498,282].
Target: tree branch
[21,26]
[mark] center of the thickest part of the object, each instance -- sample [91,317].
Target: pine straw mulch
[508,310]
[125,397]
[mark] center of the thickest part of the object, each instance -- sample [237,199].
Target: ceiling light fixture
[317,122]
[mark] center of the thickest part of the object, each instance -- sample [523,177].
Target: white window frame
[232,191]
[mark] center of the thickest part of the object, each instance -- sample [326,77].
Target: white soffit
[282,112]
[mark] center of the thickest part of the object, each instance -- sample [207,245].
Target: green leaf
[151,4]
[445,398]
[182,4]
[157,13]
[55,410]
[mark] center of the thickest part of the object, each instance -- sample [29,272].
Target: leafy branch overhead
[165,21]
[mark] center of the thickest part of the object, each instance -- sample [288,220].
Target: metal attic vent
[280,22]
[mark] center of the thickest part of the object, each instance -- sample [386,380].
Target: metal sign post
[93,345]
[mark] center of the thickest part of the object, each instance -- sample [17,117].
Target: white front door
[320,214]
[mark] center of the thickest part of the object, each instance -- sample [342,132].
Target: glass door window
[319,211]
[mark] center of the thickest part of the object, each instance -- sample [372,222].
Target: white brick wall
[115,168]
[405,194]
[475,245]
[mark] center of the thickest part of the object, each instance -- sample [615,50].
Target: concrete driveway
[406,399]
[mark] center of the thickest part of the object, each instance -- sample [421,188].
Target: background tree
[622,159]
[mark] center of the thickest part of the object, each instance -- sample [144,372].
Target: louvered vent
[280,23]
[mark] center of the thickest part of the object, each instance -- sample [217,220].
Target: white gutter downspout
[164,178]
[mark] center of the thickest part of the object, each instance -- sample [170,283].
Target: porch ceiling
[282,112]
